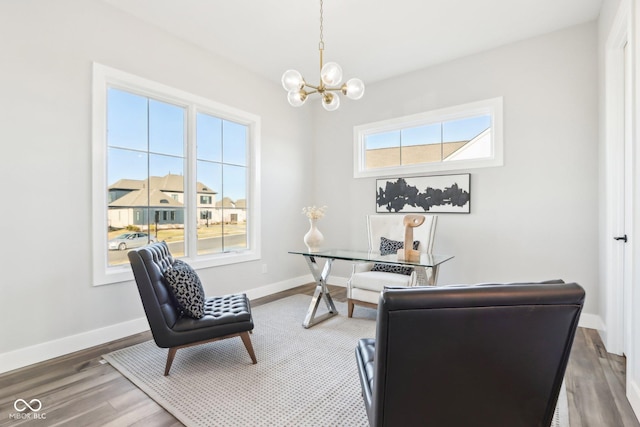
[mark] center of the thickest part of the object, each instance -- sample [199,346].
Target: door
[625,206]
[619,201]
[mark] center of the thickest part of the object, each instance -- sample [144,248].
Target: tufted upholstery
[218,311]
[225,316]
[496,351]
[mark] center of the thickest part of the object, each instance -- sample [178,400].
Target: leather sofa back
[472,355]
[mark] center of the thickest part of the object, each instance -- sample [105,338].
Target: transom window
[461,137]
[173,167]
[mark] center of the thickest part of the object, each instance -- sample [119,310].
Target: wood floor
[81,390]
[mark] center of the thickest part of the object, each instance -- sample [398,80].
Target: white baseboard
[633,395]
[273,288]
[338,281]
[291,283]
[591,321]
[51,349]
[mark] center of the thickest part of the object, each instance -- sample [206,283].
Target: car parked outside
[130,240]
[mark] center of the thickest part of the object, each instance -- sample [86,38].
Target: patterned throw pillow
[387,247]
[186,287]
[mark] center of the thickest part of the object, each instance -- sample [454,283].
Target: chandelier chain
[321,44]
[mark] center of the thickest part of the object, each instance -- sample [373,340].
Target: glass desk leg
[321,293]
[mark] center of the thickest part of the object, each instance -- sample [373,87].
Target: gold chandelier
[330,78]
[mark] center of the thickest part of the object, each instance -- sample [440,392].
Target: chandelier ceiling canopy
[330,82]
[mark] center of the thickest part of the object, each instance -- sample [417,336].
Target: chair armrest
[358,267]
[361,267]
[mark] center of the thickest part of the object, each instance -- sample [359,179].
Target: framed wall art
[433,194]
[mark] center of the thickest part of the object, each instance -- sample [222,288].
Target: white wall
[533,219]
[47,49]
[536,217]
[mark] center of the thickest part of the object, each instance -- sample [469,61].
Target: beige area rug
[304,377]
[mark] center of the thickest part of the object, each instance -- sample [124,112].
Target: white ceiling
[370,39]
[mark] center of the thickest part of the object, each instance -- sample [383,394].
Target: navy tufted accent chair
[225,316]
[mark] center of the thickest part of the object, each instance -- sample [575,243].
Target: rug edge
[132,378]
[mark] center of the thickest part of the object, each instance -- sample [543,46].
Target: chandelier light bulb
[353,89]
[292,79]
[330,84]
[297,97]
[330,101]
[331,74]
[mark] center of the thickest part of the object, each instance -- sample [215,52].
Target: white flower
[313,212]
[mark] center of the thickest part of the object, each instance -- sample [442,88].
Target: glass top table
[432,261]
[426,260]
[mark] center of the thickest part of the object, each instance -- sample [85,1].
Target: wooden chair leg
[170,357]
[350,306]
[246,339]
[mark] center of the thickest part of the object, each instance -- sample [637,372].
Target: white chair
[364,286]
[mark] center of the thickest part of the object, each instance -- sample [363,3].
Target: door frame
[618,275]
[617,133]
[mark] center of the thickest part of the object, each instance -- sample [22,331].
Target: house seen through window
[170,166]
[459,137]
[147,178]
[437,142]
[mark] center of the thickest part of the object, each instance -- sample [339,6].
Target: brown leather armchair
[224,316]
[483,355]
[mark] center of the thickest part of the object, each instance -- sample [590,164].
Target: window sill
[123,273]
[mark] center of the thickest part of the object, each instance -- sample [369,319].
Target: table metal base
[321,293]
[422,279]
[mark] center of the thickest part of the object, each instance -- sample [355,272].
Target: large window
[461,137]
[170,166]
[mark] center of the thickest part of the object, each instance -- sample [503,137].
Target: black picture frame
[424,194]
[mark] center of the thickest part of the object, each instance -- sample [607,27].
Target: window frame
[491,107]
[105,77]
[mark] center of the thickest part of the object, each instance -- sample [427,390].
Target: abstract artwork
[434,194]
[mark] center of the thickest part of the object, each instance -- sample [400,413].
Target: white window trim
[103,77]
[490,106]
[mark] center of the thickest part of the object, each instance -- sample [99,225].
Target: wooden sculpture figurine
[408,253]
